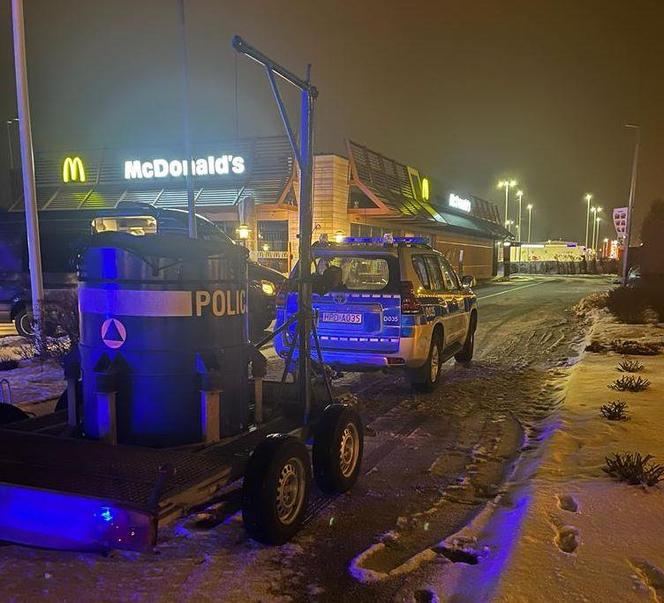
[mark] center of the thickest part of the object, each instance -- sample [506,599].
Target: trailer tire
[11,414]
[276,489]
[338,447]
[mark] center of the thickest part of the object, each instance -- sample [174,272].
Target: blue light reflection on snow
[61,520]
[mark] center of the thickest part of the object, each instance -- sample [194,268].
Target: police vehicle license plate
[341,317]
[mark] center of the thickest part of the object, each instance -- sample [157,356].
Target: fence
[608,266]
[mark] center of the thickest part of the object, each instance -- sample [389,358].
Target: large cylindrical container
[166,316]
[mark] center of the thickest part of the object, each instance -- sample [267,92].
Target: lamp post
[28,173]
[529,207]
[598,221]
[588,198]
[632,195]
[506,184]
[595,212]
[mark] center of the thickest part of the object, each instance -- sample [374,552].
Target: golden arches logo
[73,170]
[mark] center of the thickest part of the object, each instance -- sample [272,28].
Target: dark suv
[62,233]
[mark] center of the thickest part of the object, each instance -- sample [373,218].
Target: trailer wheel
[338,446]
[276,489]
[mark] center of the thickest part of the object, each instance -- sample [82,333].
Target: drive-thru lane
[431,462]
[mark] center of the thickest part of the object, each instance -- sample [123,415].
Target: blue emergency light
[387,239]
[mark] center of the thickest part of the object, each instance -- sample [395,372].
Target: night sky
[468,92]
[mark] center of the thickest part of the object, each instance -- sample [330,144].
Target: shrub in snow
[634,469]
[627,304]
[630,366]
[635,348]
[615,411]
[629,383]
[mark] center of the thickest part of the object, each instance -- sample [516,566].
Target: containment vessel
[163,319]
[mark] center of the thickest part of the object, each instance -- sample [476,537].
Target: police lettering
[220,302]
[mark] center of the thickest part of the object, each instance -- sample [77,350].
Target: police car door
[441,299]
[455,300]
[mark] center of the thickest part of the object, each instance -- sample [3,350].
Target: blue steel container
[169,313]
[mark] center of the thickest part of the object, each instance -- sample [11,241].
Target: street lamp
[506,184]
[529,207]
[519,195]
[598,221]
[588,198]
[632,195]
[243,232]
[595,211]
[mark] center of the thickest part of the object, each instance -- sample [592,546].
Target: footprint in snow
[567,502]
[651,576]
[567,539]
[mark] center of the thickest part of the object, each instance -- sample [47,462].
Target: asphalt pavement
[431,463]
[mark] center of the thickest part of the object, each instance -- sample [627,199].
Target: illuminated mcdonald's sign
[73,170]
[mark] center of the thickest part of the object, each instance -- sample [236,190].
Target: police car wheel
[23,324]
[427,377]
[338,447]
[276,489]
[466,353]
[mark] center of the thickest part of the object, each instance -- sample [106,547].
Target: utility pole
[28,172]
[632,194]
[186,132]
[530,218]
[588,199]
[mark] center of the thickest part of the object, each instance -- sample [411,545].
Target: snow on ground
[564,530]
[34,384]
[585,536]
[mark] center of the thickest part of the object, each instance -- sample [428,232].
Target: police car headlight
[268,288]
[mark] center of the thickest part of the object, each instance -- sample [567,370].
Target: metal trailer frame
[59,491]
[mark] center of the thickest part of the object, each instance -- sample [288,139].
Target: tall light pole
[529,207]
[598,221]
[506,184]
[593,210]
[632,195]
[28,172]
[588,199]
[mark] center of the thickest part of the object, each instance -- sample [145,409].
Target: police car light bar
[387,239]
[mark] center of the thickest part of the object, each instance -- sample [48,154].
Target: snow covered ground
[34,385]
[585,536]
[562,529]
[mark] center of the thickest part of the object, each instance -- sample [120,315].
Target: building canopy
[222,174]
[386,189]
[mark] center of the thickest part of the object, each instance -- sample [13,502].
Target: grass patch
[615,411]
[630,366]
[628,383]
[633,468]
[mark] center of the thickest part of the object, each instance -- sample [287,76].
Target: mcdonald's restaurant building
[255,182]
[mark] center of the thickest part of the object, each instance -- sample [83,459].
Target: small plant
[628,383]
[634,469]
[615,411]
[630,366]
[632,347]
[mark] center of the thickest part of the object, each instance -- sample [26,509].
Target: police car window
[435,275]
[449,277]
[421,270]
[358,273]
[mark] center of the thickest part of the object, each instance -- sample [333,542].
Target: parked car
[62,233]
[393,303]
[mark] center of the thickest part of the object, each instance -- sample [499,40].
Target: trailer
[167,401]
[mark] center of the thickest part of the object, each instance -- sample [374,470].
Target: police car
[395,303]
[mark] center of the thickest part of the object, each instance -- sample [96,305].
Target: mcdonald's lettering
[135,169]
[73,170]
